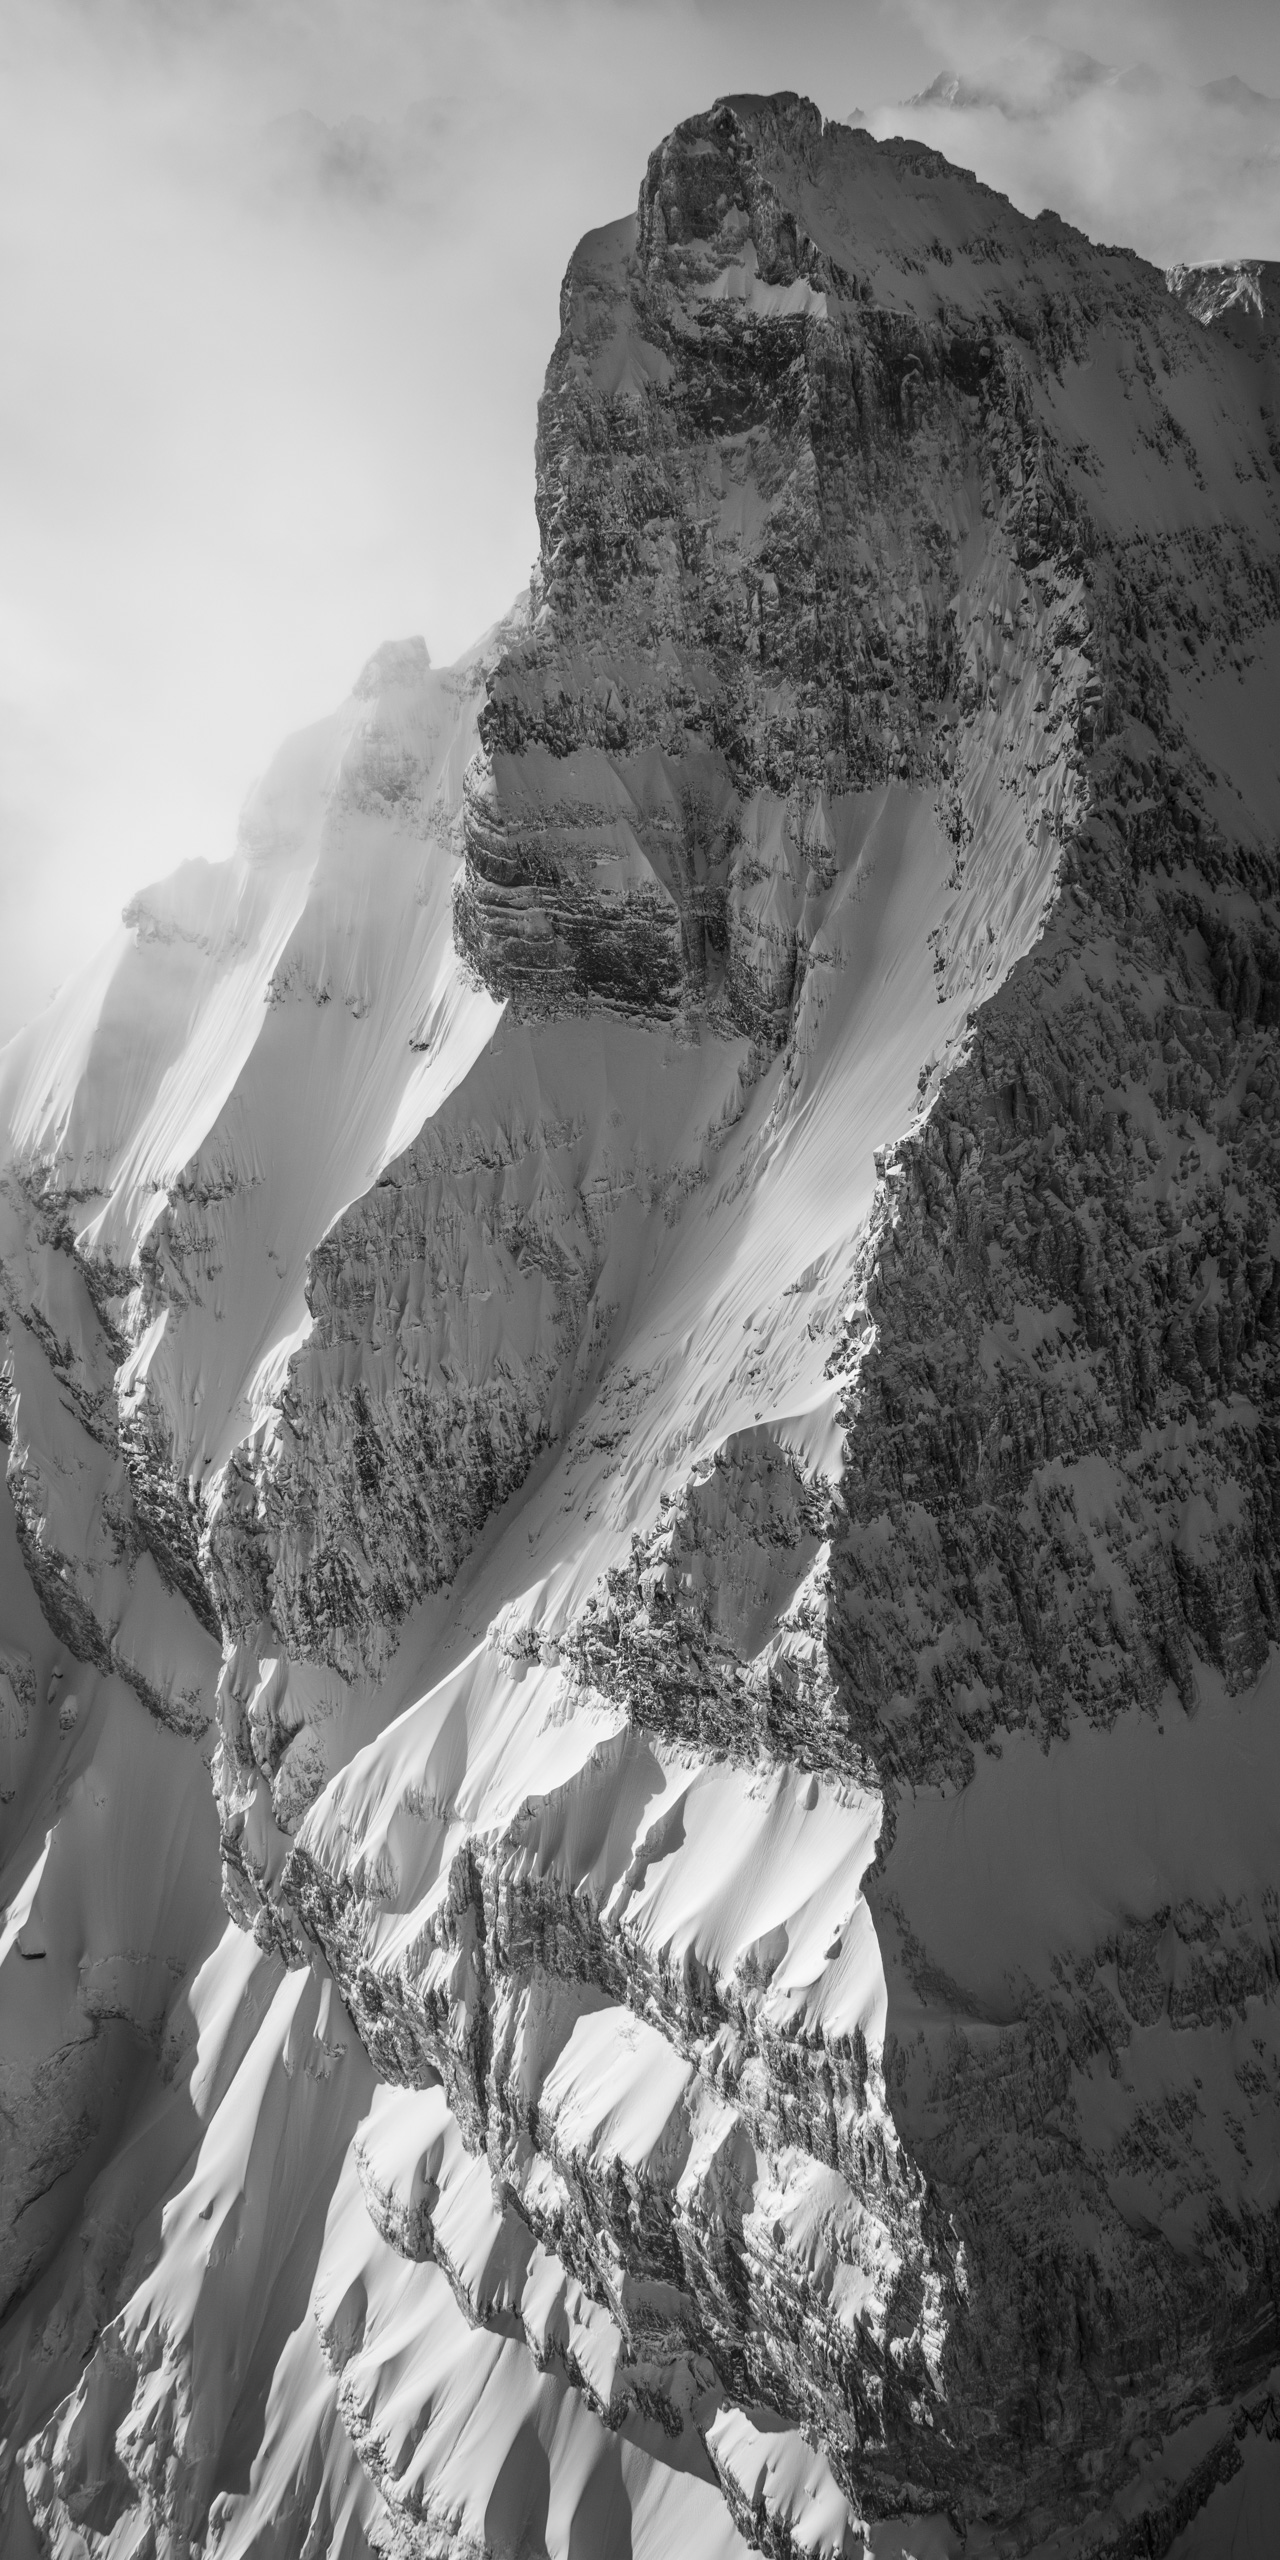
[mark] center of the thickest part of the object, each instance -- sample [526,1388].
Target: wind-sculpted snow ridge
[696,1293]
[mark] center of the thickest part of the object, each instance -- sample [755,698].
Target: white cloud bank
[279,282]
[1140,150]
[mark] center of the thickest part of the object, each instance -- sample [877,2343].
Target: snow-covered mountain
[639,1727]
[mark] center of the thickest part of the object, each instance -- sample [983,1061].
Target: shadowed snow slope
[640,1576]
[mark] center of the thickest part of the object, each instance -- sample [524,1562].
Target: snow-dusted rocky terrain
[639,1717]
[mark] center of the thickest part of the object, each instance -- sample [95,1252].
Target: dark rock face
[746,478]
[458,1310]
[1062,1487]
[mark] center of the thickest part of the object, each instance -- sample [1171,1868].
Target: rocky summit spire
[755,448]
[642,1408]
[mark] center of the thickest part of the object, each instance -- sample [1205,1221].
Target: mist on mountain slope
[278,285]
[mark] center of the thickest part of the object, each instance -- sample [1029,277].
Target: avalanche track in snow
[639,1735]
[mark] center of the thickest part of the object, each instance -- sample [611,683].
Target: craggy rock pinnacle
[796,547]
[719,1323]
[748,476]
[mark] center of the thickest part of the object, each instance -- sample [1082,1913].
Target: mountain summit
[638,1724]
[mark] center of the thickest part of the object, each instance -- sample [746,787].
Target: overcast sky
[279,282]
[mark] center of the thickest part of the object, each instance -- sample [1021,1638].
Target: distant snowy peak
[396,663]
[110,1093]
[1040,79]
[1243,293]
[1237,95]
[1035,78]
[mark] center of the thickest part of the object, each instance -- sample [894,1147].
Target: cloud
[363,161]
[1142,151]
[280,280]
[271,367]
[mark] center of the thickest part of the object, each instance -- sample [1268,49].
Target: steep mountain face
[642,1387]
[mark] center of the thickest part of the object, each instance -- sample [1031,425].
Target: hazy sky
[279,282]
